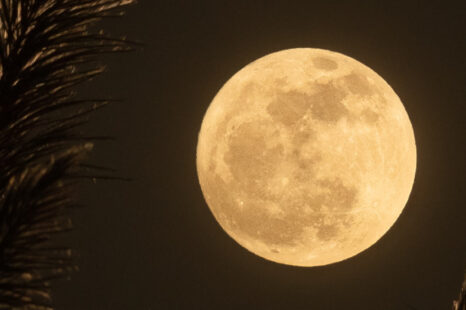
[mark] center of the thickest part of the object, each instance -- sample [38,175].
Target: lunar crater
[324,63]
[358,84]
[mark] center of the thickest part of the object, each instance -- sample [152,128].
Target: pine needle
[47,48]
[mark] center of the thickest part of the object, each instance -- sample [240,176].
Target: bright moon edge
[306,157]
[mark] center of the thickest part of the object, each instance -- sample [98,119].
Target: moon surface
[306,157]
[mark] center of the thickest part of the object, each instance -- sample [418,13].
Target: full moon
[306,157]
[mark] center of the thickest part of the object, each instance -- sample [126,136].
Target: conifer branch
[47,48]
[460,304]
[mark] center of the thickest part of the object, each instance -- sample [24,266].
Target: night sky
[152,243]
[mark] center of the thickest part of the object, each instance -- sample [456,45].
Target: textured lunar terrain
[306,157]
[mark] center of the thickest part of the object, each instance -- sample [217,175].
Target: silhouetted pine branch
[460,304]
[46,49]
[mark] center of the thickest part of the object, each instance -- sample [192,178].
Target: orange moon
[306,157]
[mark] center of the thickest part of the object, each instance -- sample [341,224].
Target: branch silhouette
[460,304]
[47,48]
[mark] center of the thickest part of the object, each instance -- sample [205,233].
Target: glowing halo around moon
[306,157]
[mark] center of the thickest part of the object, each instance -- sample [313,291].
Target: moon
[306,157]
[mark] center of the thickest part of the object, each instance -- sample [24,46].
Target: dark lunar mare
[46,49]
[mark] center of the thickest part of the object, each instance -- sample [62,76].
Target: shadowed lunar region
[306,157]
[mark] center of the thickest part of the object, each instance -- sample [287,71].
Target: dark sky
[153,244]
